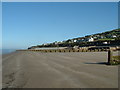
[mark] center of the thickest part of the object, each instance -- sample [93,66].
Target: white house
[74,40]
[105,42]
[90,39]
[114,36]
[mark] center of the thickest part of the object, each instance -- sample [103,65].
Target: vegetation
[115,61]
[110,37]
[106,39]
[116,58]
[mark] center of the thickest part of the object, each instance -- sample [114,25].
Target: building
[105,42]
[74,40]
[114,36]
[90,39]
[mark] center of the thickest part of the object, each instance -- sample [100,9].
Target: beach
[30,69]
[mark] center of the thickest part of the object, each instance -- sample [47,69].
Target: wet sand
[27,69]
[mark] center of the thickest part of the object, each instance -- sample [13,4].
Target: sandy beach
[29,69]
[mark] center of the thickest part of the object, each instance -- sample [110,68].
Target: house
[101,37]
[90,39]
[74,40]
[76,47]
[80,40]
[114,36]
[105,42]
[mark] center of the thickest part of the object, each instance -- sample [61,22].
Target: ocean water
[6,51]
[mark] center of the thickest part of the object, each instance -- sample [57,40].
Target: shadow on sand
[101,63]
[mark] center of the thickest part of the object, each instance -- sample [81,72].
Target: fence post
[110,56]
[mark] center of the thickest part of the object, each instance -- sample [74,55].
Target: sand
[28,69]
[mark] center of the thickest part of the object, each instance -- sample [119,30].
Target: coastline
[6,51]
[25,69]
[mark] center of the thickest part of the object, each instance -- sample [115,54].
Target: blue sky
[27,24]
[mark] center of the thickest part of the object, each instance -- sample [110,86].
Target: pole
[109,56]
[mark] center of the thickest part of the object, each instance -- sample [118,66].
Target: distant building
[76,47]
[90,39]
[114,36]
[74,40]
[101,37]
[81,40]
[105,42]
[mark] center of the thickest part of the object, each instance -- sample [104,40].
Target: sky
[25,24]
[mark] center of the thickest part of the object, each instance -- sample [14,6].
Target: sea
[7,51]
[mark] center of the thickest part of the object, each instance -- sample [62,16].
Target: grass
[115,61]
[106,39]
[116,57]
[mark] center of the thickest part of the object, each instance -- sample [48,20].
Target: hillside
[105,38]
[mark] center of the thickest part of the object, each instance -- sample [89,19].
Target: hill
[109,38]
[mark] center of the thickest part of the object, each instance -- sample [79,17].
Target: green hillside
[105,38]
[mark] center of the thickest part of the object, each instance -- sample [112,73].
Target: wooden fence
[66,50]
